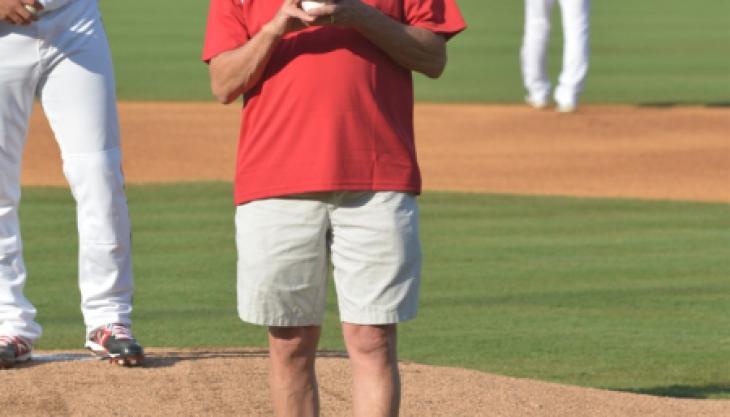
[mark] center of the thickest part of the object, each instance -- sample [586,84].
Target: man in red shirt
[326,169]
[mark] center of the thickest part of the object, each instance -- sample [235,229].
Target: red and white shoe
[116,343]
[14,349]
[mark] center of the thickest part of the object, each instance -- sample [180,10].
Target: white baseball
[31,9]
[309,5]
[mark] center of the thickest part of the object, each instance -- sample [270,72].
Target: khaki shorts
[285,245]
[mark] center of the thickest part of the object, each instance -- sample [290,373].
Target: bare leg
[374,361]
[292,379]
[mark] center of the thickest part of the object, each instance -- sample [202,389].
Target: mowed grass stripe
[631,295]
[653,51]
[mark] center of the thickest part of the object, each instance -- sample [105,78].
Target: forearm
[234,72]
[414,48]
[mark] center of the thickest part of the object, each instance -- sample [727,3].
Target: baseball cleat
[116,343]
[567,108]
[13,349]
[536,103]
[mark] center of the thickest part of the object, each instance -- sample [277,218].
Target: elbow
[223,95]
[220,85]
[436,63]
[435,68]
[435,71]
[223,98]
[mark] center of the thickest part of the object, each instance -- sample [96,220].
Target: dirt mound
[228,382]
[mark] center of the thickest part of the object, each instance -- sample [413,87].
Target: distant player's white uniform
[575,17]
[64,60]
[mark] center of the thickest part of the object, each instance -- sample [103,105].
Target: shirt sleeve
[226,28]
[440,16]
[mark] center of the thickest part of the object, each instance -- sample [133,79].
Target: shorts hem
[279,321]
[377,318]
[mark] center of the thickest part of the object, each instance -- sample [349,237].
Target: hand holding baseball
[346,13]
[32,9]
[309,5]
[19,12]
[289,18]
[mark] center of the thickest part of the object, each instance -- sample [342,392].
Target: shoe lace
[120,331]
[22,346]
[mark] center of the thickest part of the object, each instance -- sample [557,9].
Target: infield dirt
[601,151]
[659,153]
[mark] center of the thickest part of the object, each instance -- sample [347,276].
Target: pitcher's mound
[233,382]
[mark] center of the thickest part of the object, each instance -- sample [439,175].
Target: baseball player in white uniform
[575,17]
[57,51]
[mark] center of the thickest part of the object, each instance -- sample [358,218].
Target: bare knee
[290,343]
[378,341]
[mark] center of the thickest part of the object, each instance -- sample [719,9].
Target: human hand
[345,13]
[289,18]
[19,12]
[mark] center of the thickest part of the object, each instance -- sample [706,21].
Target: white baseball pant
[64,60]
[575,19]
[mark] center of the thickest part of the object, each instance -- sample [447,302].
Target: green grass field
[627,295]
[652,52]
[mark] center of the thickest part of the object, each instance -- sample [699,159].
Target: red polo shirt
[332,112]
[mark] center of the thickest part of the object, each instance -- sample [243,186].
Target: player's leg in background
[78,97]
[533,54]
[18,79]
[576,21]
